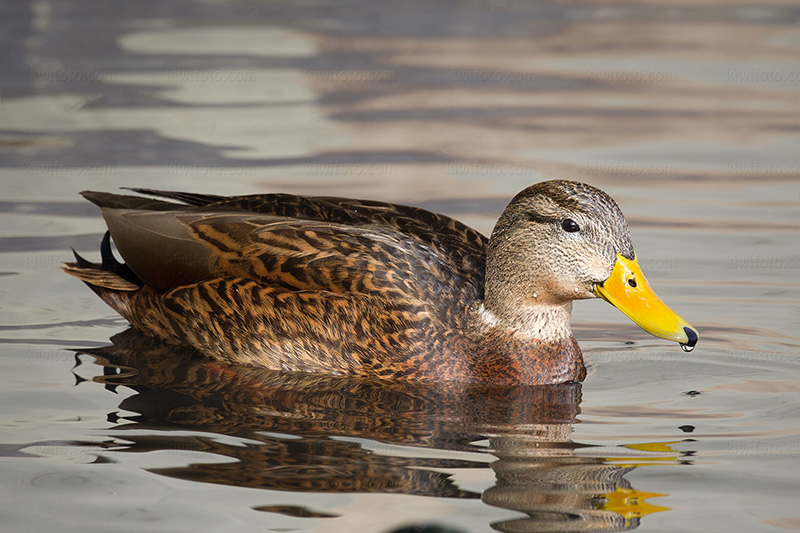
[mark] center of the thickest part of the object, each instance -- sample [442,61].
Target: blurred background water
[686,113]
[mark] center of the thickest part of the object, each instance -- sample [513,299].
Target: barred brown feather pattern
[242,322]
[338,259]
[320,285]
[464,247]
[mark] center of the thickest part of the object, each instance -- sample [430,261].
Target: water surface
[687,115]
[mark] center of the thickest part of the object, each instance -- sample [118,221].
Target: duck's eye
[570,226]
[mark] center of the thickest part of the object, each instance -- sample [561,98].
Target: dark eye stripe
[536,217]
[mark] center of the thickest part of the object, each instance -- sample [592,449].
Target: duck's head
[559,241]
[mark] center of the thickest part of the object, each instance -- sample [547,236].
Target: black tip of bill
[691,339]
[691,335]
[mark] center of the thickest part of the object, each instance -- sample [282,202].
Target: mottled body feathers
[325,285]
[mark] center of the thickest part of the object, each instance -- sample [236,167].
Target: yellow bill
[628,290]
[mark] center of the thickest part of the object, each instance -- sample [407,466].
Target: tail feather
[194,199]
[110,274]
[126,201]
[95,277]
[81,262]
[111,264]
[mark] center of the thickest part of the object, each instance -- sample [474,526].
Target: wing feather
[300,243]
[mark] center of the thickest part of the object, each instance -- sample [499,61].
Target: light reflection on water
[454,108]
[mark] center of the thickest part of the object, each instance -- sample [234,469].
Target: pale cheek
[599,269]
[566,288]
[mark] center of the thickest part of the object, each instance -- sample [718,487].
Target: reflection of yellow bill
[628,290]
[630,503]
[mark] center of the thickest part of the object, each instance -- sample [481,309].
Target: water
[685,114]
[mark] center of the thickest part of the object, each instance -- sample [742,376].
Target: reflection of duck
[176,386]
[354,287]
[561,491]
[288,419]
[300,432]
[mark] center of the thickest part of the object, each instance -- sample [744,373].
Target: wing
[168,249]
[463,248]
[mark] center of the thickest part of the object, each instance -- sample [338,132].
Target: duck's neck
[534,346]
[546,323]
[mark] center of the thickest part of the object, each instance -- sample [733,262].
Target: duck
[373,289]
